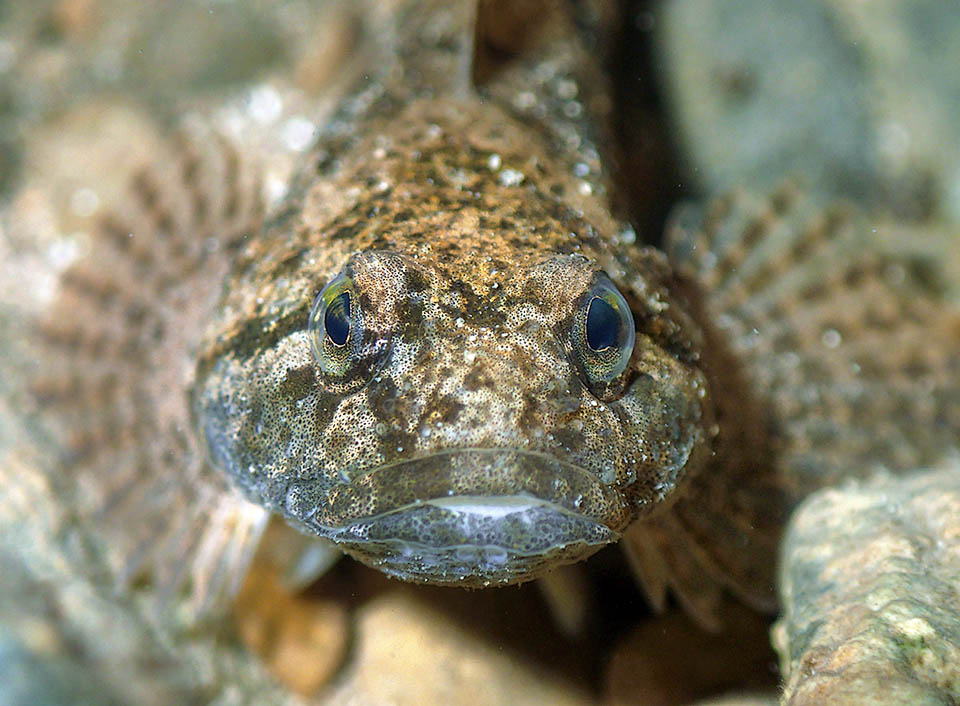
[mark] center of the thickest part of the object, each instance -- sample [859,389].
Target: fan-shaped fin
[828,359]
[116,366]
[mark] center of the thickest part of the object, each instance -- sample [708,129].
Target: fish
[447,353]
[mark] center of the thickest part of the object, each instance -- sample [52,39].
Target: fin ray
[116,372]
[828,359]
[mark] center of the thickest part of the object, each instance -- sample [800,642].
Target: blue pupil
[336,320]
[603,325]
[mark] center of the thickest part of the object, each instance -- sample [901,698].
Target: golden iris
[333,326]
[603,333]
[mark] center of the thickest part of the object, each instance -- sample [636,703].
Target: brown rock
[302,641]
[869,586]
[409,653]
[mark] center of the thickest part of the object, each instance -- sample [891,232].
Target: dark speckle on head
[443,409]
[478,378]
[299,382]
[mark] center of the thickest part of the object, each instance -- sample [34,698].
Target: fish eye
[333,326]
[336,319]
[352,322]
[603,334]
[603,324]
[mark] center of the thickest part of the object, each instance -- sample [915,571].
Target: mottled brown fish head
[455,379]
[463,419]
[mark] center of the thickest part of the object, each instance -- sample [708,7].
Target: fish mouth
[471,517]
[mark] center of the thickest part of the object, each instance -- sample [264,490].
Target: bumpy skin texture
[469,443]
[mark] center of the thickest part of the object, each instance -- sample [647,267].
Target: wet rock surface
[408,652]
[857,99]
[869,577]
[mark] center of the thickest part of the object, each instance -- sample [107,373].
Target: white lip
[495,507]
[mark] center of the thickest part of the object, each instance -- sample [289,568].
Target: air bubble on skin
[298,133]
[790,360]
[511,177]
[573,141]
[494,162]
[545,71]
[627,236]
[84,202]
[572,109]
[831,338]
[524,100]
[275,188]
[566,89]
[585,188]
[265,104]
